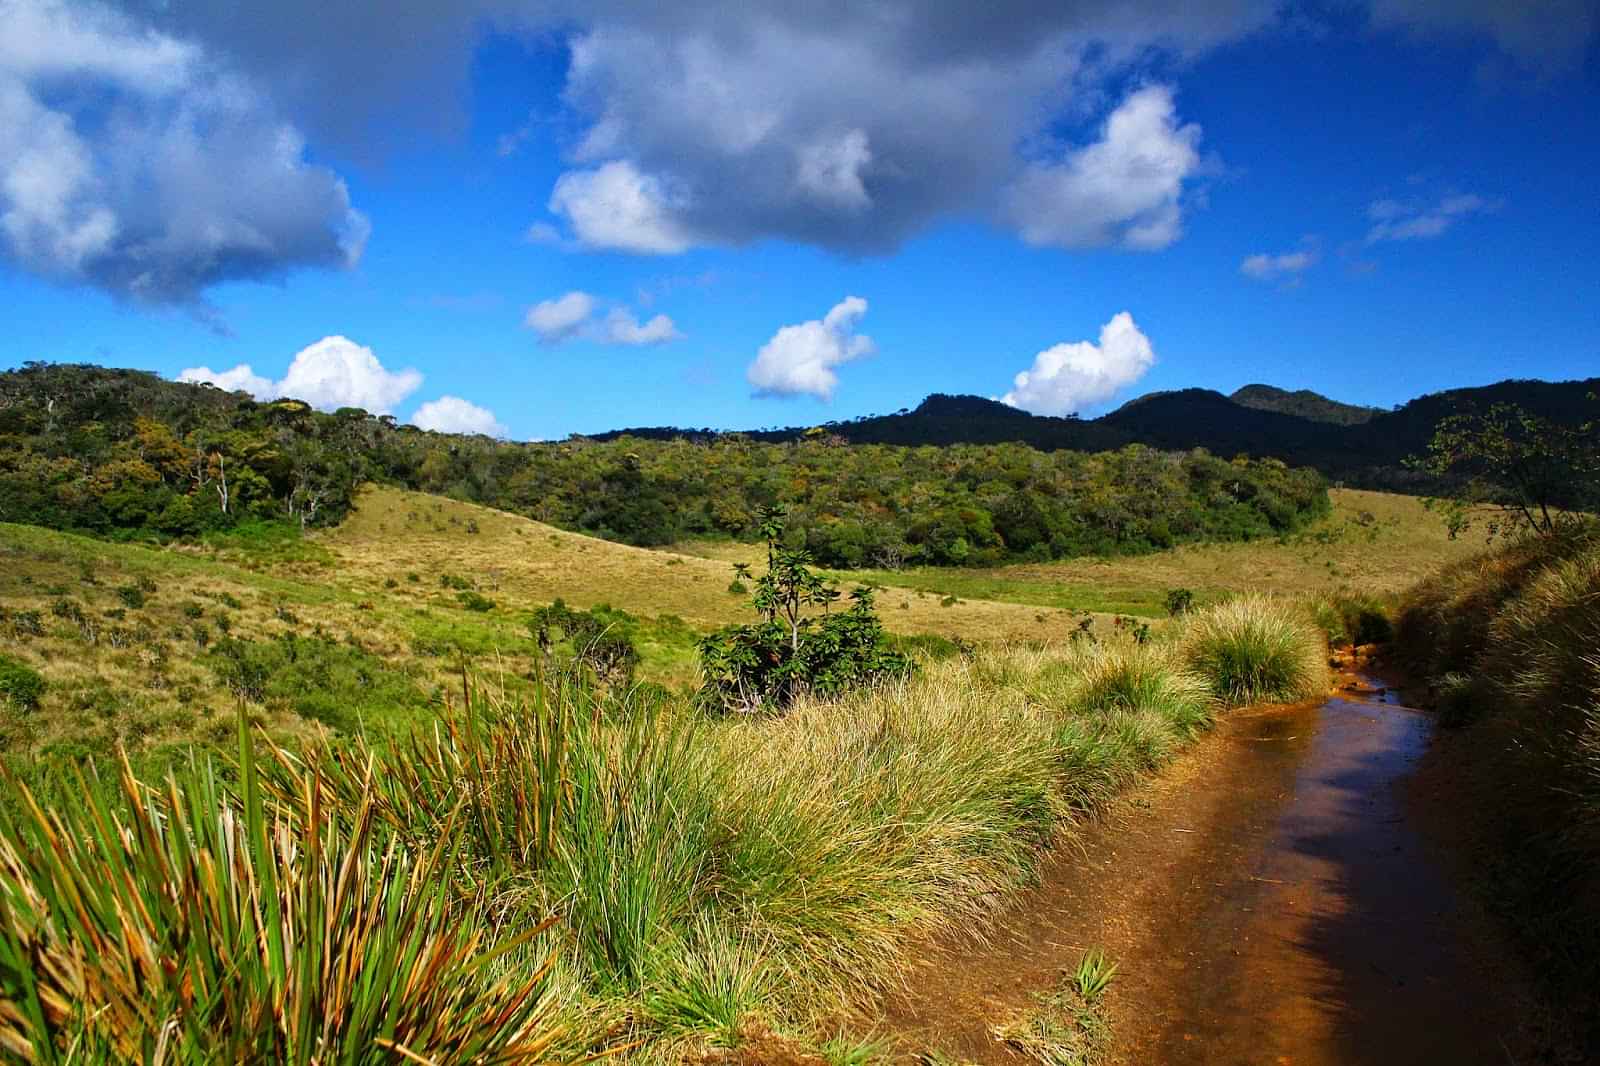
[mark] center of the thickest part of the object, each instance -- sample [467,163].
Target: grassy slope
[153,694]
[1380,556]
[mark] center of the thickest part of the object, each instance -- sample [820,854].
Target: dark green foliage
[320,679]
[193,610]
[599,639]
[474,601]
[20,684]
[123,453]
[130,595]
[1179,601]
[789,653]
[1535,470]
[454,581]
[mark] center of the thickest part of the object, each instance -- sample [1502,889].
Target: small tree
[767,664]
[1539,474]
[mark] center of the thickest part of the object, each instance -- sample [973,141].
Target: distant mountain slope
[1303,403]
[1359,445]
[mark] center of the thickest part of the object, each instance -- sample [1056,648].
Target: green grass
[712,877]
[1067,1026]
[198,923]
[1256,649]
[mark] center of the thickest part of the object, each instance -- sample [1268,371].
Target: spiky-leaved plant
[194,924]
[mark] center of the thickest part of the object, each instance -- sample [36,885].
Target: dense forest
[127,453]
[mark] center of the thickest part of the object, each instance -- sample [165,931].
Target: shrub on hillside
[767,664]
[1255,649]
[20,684]
[598,639]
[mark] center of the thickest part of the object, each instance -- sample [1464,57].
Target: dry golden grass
[1376,543]
[519,561]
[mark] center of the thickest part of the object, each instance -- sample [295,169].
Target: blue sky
[779,218]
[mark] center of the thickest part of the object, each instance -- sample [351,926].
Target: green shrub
[130,595]
[1255,649]
[20,684]
[193,610]
[1179,601]
[599,639]
[788,653]
[474,601]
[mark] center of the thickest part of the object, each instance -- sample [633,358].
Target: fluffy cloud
[332,373]
[800,359]
[136,162]
[615,206]
[1125,189]
[1393,220]
[1069,377]
[559,319]
[573,316]
[452,414]
[1286,267]
[855,127]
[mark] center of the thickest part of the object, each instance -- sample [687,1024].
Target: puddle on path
[1270,901]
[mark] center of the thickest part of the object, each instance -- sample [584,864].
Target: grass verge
[710,877]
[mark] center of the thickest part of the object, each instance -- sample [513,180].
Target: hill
[126,454]
[1361,446]
[1302,403]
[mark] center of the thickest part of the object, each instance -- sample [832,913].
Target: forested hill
[125,453]
[1362,446]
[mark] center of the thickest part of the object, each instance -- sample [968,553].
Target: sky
[532,218]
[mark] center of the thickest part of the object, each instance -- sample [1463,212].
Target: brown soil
[1277,896]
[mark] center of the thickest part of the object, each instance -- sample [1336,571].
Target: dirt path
[1274,898]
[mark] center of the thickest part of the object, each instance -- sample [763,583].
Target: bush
[20,684]
[474,601]
[768,664]
[1256,649]
[130,595]
[599,639]
[1179,601]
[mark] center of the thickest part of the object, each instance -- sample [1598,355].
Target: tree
[789,652]
[1538,474]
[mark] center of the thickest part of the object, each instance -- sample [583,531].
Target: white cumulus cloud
[1066,378]
[452,414]
[800,359]
[559,319]
[139,163]
[575,316]
[332,373]
[1393,220]
[1125,189]
[616,206]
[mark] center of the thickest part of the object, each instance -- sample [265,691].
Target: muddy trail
[1282,895]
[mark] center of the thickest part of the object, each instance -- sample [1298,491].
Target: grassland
[710,877]
[387,595]
[1375,542]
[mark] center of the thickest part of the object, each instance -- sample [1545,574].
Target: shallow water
[1273,898]
[1338,940]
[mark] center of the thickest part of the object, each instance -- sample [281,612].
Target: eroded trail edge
[1271,898]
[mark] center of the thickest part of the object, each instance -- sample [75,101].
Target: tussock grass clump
[196,924]
[1255,649]
[710,876]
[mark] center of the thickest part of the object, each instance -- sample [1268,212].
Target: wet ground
[1276,898]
